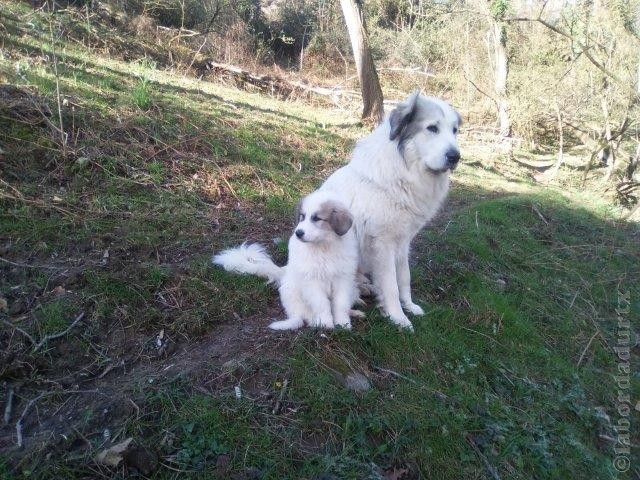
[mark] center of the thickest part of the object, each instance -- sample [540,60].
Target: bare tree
[372,98]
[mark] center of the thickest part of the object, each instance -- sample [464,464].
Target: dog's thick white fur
[395,183]
[318,285]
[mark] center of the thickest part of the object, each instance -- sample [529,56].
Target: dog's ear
[340,219]
[458,117]
[296,219]
[403,114]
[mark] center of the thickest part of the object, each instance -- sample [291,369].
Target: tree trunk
[373,108]
[501,73]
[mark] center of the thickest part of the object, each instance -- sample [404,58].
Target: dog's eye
[433,128]
[314,218]
[455,130]
[301,217]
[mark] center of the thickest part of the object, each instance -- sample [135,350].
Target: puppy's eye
[314,218]
[455,130]
[433,128]
[301,217]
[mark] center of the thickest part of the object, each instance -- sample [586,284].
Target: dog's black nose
[453,157]
[299,233]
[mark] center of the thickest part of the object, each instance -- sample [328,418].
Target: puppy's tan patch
[337,216]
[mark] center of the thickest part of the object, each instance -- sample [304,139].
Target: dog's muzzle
[452,157]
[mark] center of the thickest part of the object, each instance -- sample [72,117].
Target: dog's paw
[357,314]
[402,322]
[325,322]
[344,325]
[414,309]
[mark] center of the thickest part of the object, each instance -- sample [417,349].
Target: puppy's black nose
[452,157]
[299,233]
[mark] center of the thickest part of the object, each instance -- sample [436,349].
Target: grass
[519,282]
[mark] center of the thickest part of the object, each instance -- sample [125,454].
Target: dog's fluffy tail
[251,259]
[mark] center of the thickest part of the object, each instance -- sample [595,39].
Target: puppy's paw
[357,314]
[402,322]
[414,309]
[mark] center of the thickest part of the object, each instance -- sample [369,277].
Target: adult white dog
[318,285]
[395,183]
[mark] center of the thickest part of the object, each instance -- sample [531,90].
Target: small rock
[357,382]
[501,284]
[3,304]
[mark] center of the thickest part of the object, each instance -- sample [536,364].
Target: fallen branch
[270,84]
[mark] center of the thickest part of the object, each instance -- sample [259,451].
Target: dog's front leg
[320,308]
[404,281]
[344,296]
[386,284]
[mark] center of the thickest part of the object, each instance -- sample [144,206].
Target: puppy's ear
[403,114]
[340,219]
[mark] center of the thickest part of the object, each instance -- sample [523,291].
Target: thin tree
[373,108]
[498,10]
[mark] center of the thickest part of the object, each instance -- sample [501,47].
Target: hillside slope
[118,179]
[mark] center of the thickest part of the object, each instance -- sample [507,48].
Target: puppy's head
[321,218]
[426,129]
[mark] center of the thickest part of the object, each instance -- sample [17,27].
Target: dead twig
[26,265]
[30,404]
[8,407]
[437,393]
[480,333]
[490,468]
[587,347]
[535,209]
[19,330]
[59,334]
[36,399]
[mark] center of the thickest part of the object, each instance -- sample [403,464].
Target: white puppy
[396,181]
[318,284]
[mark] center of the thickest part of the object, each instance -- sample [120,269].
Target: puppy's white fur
[396,181]
[318,285]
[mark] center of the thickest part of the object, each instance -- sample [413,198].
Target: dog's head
[321,218]
[426,129]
